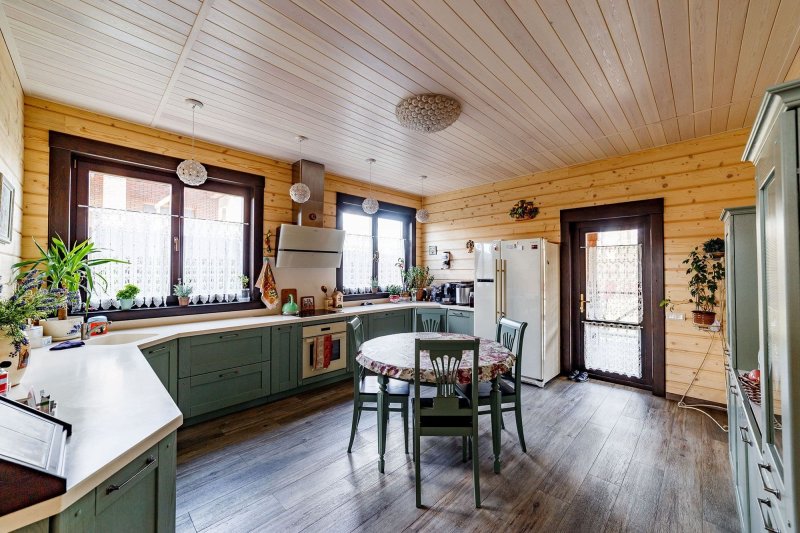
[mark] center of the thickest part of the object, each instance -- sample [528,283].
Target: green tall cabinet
[285,357]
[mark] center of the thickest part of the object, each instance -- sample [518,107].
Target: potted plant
[418,278]
[182,291]
[29,301]
[706,274]
[714,247]
[245,294]
[374,285]
[71,268]
[126,295]
[394,293]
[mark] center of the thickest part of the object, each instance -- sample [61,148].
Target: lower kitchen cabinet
[140,497]
[389,323]
[163,358]
[431,316]
[460,322]
[285,357]
[204,393]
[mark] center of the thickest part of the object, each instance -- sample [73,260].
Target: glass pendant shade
[192,172]
[422,215]
[300,193]
[370,206]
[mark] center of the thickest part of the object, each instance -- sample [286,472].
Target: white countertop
[116,404]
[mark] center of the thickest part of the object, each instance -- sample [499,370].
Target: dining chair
[365,386]
[448,413]
[510,334]
[429,322]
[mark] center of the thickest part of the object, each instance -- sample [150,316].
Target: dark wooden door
[612,326]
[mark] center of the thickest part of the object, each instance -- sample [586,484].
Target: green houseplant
[374,285]
[418,278]
[244,296]
[29,301]
[706,274]
[70,267]
[394,292]
[126,295]
[182,291]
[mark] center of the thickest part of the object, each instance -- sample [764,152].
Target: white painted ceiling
[543,83]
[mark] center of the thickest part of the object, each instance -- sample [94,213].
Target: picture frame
[307,303]
[6,209]
[432,250]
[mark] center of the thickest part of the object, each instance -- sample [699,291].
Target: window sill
[368,296]
[175,310]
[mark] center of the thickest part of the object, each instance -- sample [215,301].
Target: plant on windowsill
[182,291]
[245,294]
[394,292]
[523,210]
[374,285]
[126,296]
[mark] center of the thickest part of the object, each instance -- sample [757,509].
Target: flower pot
[19,362]
[394,298]
[420,295]
[62,330]
[704,318]
[245,295]
[75,301]
[183,301]
[126,304]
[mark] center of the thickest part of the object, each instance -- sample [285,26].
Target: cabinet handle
[761,468]
[761,503]
[159,349]
[111,488]
[230,336]
[733,390]
[226,374]
[743,434]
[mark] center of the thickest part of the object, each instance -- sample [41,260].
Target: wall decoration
[6,210]
[267,245]
[432,250]
[470,246]
[307,303]
[523,210]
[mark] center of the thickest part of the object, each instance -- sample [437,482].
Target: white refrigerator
[520,280]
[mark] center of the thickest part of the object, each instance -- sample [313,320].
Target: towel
[327,344]
[66,345]
[269,291]
[319,354]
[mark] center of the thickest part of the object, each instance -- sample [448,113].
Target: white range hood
[307,247]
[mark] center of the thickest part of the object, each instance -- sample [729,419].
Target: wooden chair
[448,413]
[429,322]
[510,334]
[365,386]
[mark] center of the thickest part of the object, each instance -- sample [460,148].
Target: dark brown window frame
[67,151]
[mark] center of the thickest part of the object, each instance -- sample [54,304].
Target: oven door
[314,357]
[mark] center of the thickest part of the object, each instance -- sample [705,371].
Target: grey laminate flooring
[600,458]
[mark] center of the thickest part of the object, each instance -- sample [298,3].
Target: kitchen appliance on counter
[463,291]
[451,290]
[324,349]
[520,280]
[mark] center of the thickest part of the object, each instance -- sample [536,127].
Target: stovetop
[317,312]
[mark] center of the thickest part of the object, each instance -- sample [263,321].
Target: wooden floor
[600,458]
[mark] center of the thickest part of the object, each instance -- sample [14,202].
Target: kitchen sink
[118,338]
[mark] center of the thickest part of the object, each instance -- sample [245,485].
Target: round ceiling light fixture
[422,214]
[191,171]
[370,205]
[428,113]
[300,192]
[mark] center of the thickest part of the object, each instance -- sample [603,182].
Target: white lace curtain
[212,259]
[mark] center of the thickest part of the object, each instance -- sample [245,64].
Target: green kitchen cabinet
[42,526]
[201,354]
[460,321]
[285,357]
[389,323]
[163,358]
[430,317]
[139,497]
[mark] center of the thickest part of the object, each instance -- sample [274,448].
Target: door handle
[761,503]
[743,434]
[583,301]
[761,468]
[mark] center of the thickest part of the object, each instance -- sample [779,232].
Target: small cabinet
[201,354]
[389,323]
[285,357]
[163,358]
[460,322]
[430,320]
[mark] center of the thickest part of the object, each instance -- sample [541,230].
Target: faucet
[88,328]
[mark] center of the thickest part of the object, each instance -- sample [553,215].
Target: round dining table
[392,356]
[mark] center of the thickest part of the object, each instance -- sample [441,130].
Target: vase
[183,301]
[19,362]
[75,301]
[126,303]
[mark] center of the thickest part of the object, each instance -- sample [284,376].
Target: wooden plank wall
[11,149]
[696,178]
[41,116]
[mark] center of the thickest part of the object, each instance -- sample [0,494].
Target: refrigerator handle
[497,290]
[503,288]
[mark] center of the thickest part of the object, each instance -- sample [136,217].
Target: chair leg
[502,422]
[404,412]
[354,425]
[463,449]
[417,485]
[476,471]
[520,433]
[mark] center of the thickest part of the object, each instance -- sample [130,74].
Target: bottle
[4,377]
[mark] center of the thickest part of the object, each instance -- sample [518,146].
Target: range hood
[307,244]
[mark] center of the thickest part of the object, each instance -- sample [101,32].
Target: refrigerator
[519,279]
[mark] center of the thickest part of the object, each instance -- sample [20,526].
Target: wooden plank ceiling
[543,83]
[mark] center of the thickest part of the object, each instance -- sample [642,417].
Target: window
[134,207]
[373,244]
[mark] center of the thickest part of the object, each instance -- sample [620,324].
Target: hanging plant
[523,210]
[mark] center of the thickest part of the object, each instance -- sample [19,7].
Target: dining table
[392,356]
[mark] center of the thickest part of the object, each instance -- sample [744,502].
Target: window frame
[348,203]
[71,159]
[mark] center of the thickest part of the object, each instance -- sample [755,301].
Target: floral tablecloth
[393,356]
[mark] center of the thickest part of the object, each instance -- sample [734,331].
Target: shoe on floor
[582,377]
[574,374]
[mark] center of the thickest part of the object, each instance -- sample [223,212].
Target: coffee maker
[463,291]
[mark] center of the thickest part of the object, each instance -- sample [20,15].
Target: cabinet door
[77,518]
[430,320]
[163,358]
[210,392]
[285,357]
[389,323]
[202,354]
[127,501]
[460,322]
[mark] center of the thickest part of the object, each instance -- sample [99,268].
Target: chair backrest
[429,323]
[510,334]
[446,357]
[355,338]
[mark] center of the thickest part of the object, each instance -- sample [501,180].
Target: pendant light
[422,214]
[370,205]
[191,171]
[300,192]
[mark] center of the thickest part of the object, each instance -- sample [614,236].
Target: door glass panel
[771,314]
[614,304]
[357,252]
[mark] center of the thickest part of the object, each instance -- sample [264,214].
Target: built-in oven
[324,349]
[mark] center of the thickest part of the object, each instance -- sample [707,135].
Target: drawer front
[134,473]
[389,323]
[460,322]
[209,392]
[209,353]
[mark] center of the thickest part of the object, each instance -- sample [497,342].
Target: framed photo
[307,303]
[6,209]
[432,250]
